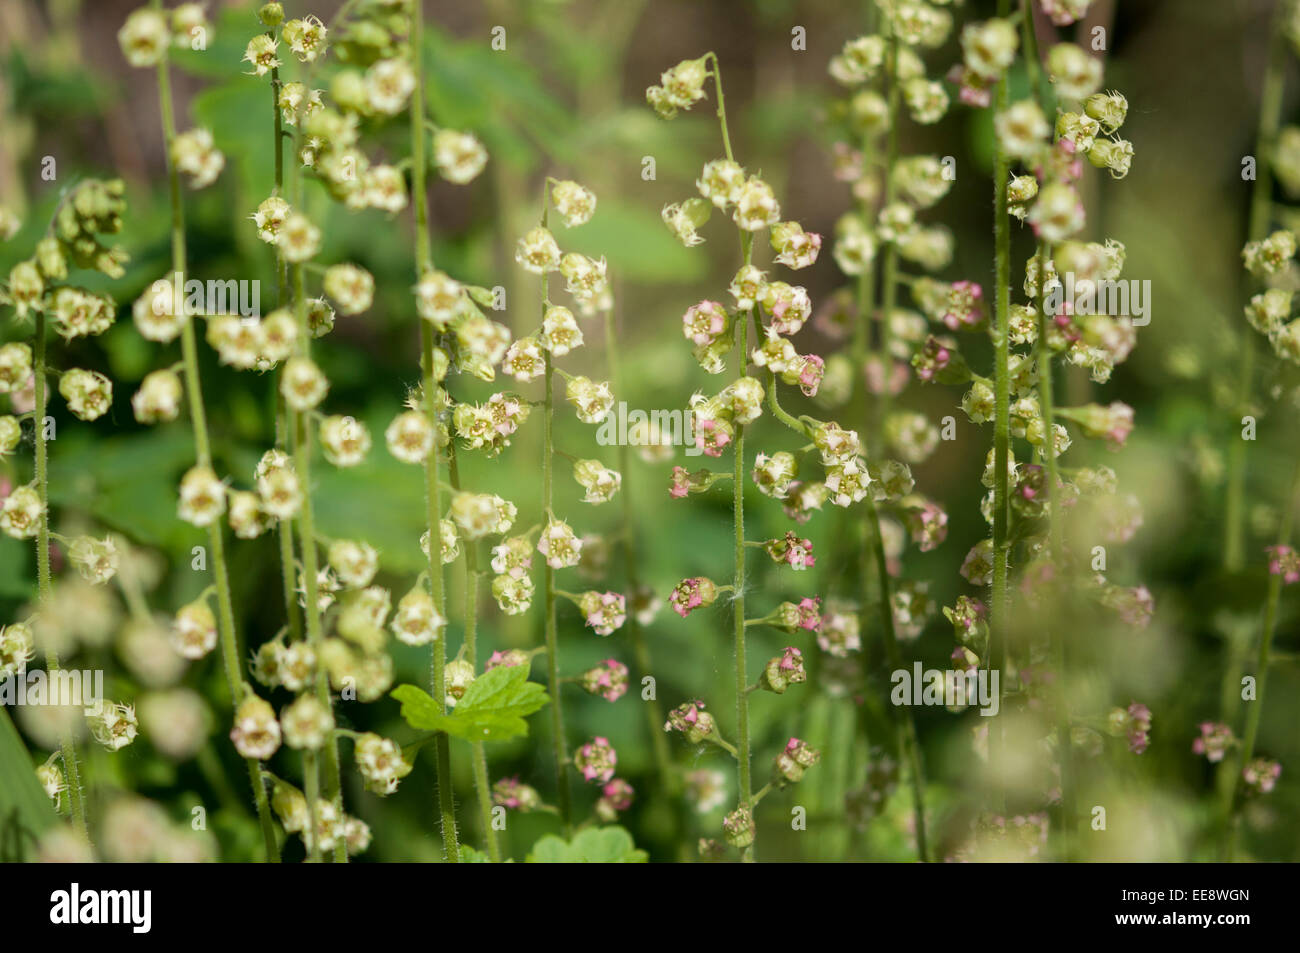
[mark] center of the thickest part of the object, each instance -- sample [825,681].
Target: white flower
[89,393]
[203,496]
[756,206]
[197,156]
[560,545]
[306,723]
[574,202]
[460,157]
[144,37]
[355,563]
[95,559]
[302,384]
[298,238]
[194,631]
[438,298]
[409,437]
[389,84]
[159,397]
[344,441]
[158,315]
[114,726]
[538,251]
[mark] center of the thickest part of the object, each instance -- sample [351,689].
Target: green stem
[433,492]
[1033,68]
[998,629]
[722,105]
[558,746]
[203,456]
[906,721]
[311,791]
[1056,556]
[67,746]
[745,794]
[909,741]
[1270,118]
[328,763]
[284,432]
[889,293]
[482,783]
[1262,664]
[481,779]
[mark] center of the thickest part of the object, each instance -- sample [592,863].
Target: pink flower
[608,680]
[928,526]
[596,760]
[711,437]
[791,549]
[604,611]
[515,795]
[1139,727]
[805,615]
[704,322]
[811,369]
[1215,740]
[690,594]
[974,90]
[1112,424]
[875,375]
[1283,561]
[616,796]
[932,358]
[681,484]
[507,659]
[965,306]
[1261,775]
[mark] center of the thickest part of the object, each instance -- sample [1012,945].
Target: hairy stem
[1001,430]
[67,746]
[482,784]
[745,794]
[738,580]
[433,494]
[1262,664]
[328,763]
[910,744]
[284,436]
[558,745]
[1055,555]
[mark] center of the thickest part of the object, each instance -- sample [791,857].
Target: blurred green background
[567,99]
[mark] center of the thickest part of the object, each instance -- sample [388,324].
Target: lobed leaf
[596,845]
[493,709]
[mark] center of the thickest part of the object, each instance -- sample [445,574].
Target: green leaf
[493,709]
[126,482]
[596,845]
[470,855]
[25,811]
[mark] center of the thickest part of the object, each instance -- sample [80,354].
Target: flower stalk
[67,745]
[228,640]
[433,492]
